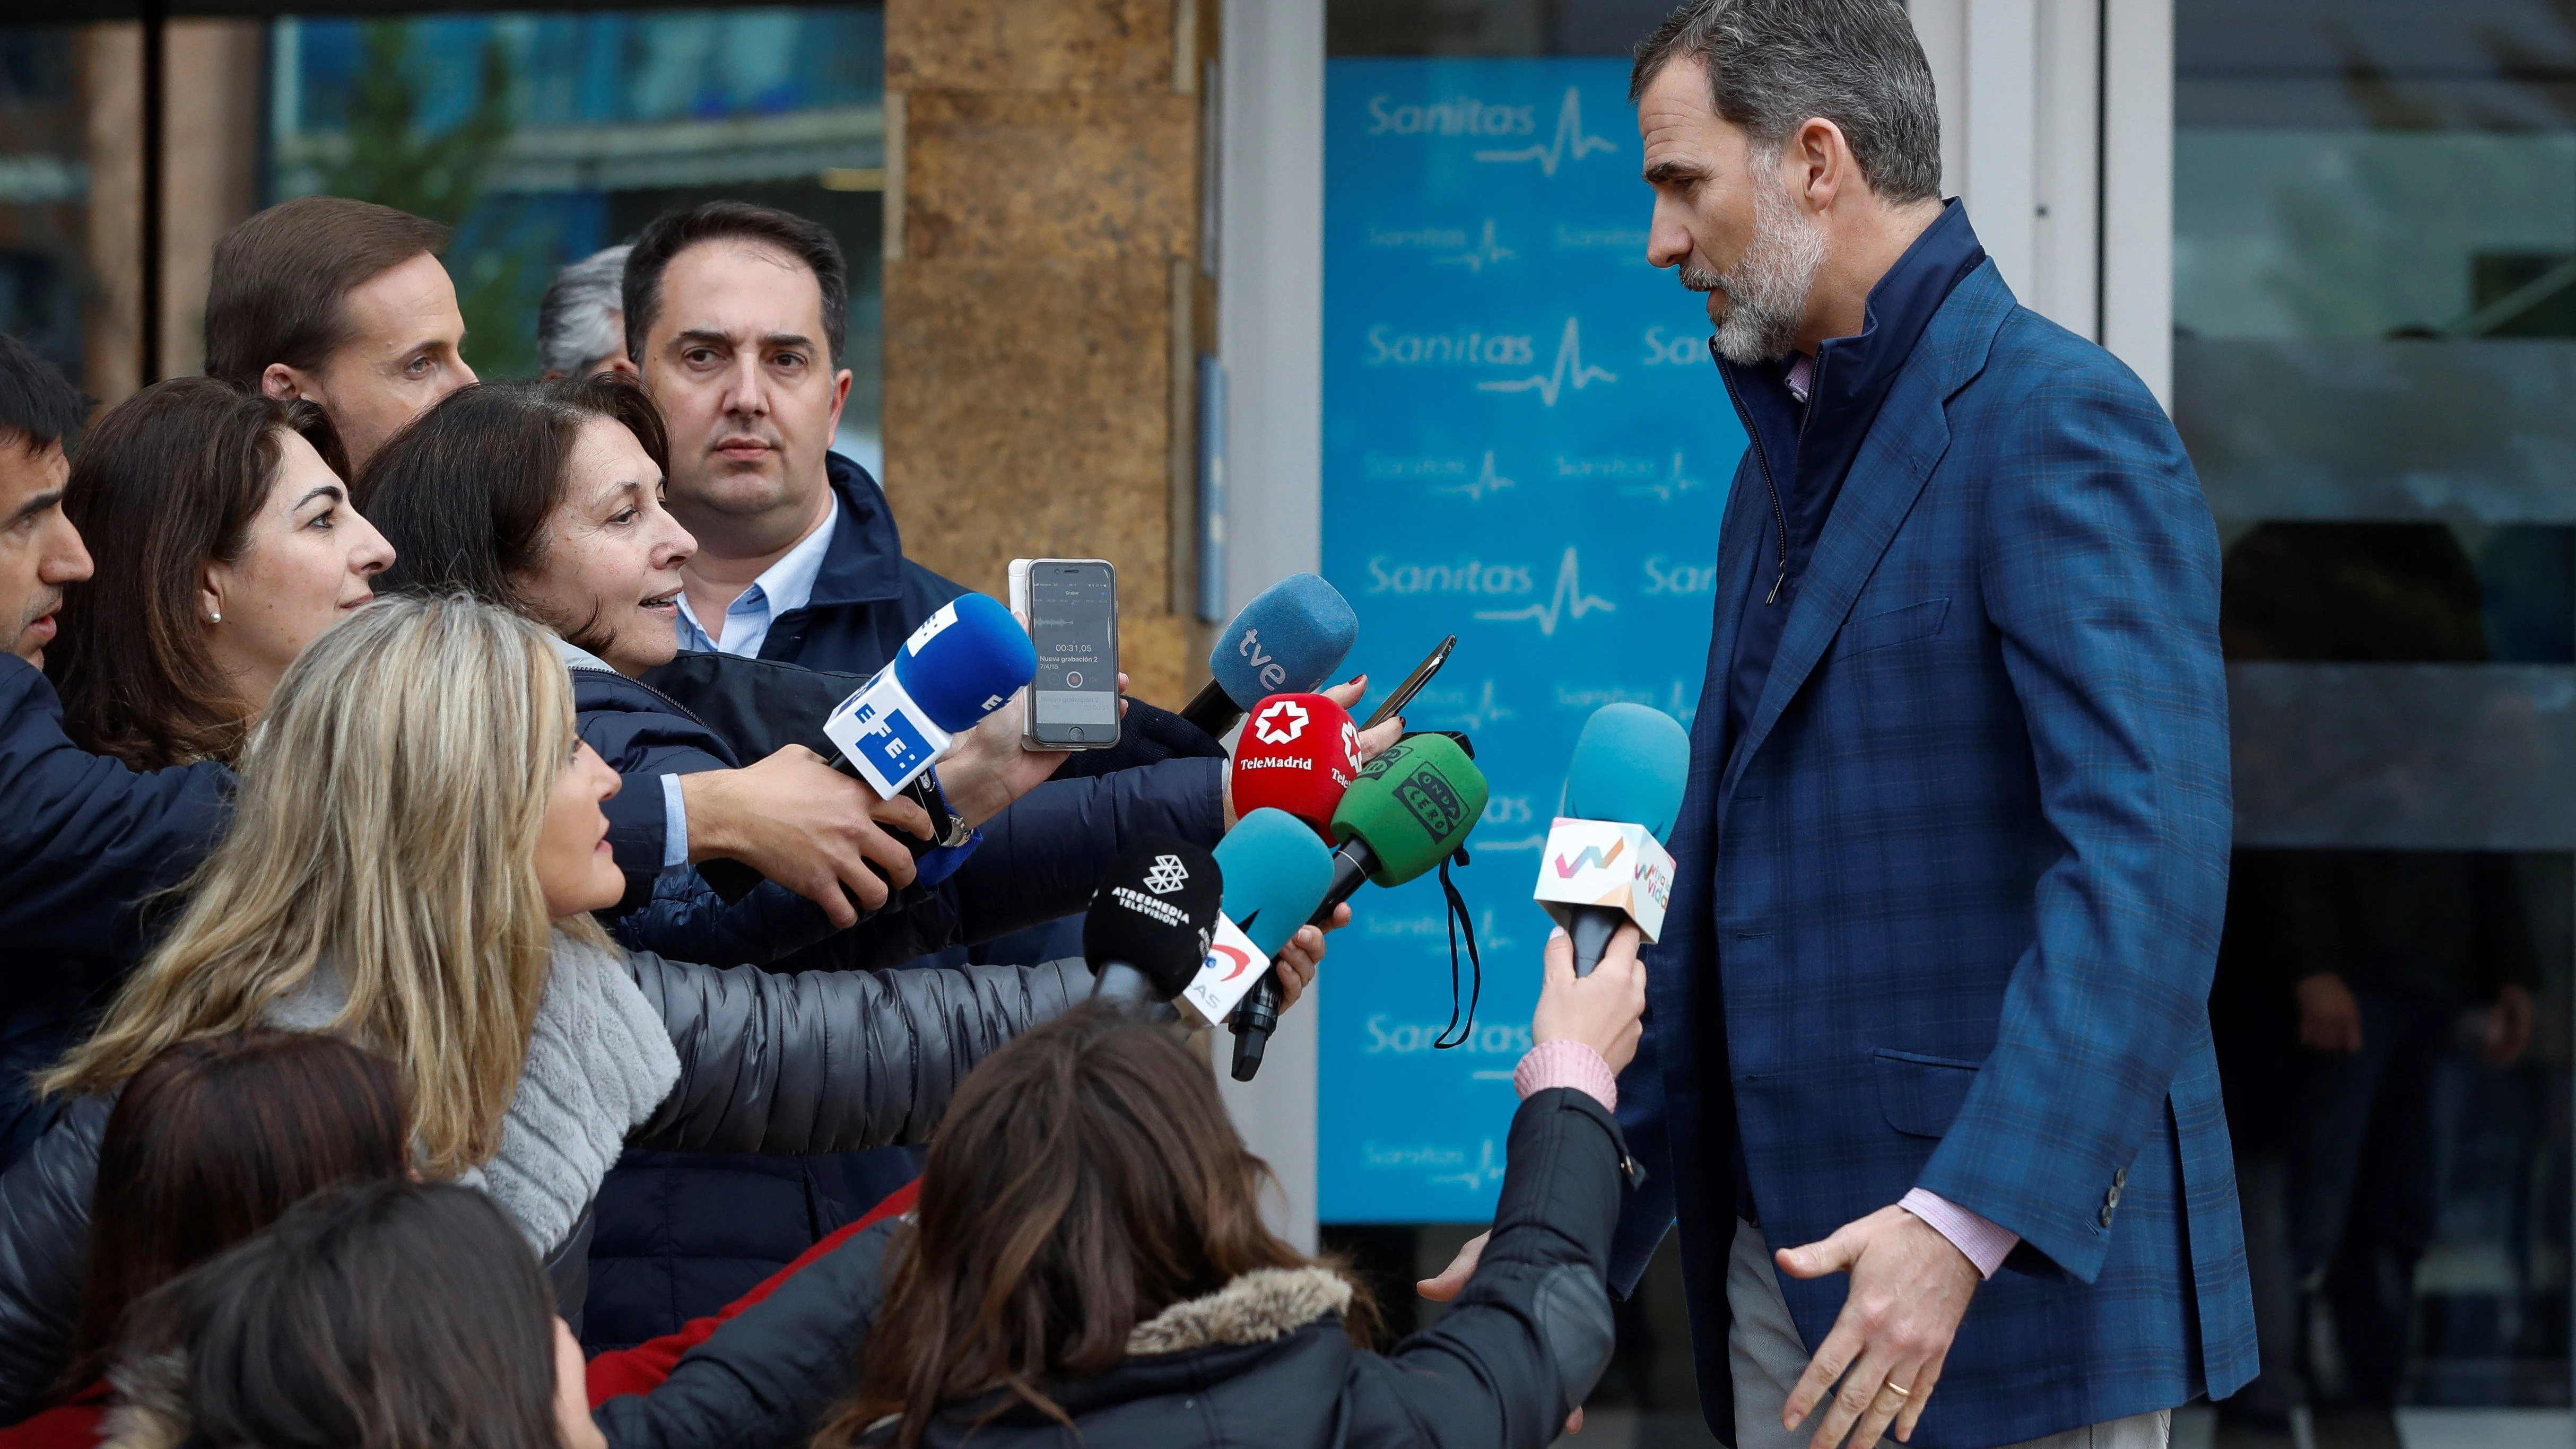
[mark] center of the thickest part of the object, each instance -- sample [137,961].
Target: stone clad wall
[1043,298]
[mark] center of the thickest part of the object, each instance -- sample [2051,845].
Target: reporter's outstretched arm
[831,1061]
[1529,1334]
[767,1375]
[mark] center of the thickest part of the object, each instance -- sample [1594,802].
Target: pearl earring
[216,617]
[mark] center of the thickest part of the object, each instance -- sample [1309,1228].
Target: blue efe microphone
[963,663]
[1276,871]
[1288,640]
[1630,766]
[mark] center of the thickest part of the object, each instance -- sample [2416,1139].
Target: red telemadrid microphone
[1298,753]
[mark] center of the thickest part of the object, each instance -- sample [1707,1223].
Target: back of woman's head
[1085,1179]
[386,824]
[464,491]
[209,1143]
[166,483]
[390,1316]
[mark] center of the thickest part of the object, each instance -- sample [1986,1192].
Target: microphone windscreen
[965,661]
[1630,764]
[1292,636]
[1298,753]
[1413,805]
[1156,912]
[1276,872]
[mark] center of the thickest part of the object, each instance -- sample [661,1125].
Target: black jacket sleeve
[1529,1336]
[44,1253]
[771,1372]
[1043,857]
[831,1061]
[83,839]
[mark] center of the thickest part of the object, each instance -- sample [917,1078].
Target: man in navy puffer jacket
[734,317]
[83,839]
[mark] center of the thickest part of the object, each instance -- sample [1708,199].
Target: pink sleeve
[1985,1244]
[1563,1063]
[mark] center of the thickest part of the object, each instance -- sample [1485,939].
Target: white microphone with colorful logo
[1605,864]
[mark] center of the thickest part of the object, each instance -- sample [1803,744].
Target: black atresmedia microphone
[1146,934]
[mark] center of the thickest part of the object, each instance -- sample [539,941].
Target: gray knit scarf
[599,1061]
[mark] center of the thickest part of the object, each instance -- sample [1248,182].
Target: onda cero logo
[1433,801]
[1281,723]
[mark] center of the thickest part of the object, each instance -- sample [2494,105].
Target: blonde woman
[417,845]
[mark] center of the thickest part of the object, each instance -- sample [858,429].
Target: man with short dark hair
[344,303]
[1927,1080]
[83,839]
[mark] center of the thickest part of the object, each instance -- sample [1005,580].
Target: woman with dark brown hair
[224,542]
[1088,1263]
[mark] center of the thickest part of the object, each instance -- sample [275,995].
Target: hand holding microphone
[1604,864]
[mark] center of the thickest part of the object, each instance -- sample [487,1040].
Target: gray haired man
[581,324]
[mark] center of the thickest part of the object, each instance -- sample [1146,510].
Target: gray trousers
[1767,1356]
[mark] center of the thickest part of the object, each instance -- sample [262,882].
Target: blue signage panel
[1525,444]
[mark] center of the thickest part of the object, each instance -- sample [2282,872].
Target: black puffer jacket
[821,1061]
[1263,1363]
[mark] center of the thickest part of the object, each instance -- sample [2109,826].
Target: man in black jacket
[83,838]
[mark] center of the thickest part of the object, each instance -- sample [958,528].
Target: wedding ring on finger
[1901,1392]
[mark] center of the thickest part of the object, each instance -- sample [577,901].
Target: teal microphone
[1630,766]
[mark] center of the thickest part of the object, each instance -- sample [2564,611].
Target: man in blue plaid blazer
[1927,1082]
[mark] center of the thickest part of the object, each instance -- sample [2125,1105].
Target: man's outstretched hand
[1909,1288]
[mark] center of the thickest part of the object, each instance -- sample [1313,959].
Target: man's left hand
[1299,960]
[1909,1287]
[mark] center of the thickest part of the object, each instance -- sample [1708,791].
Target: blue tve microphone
[1629,769]
[1276,872]
[1288,640]
[963,663]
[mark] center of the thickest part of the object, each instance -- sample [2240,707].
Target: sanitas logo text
[1457,116]
[1465,576]
[1467,347]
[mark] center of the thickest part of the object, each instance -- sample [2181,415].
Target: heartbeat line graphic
[1485,711]
[1569,596]
[1486,250]
[1486,481]
[1674,483]
[1569,138]
[1488,1169]
[1590,856]
[1569,365]
[1681,708]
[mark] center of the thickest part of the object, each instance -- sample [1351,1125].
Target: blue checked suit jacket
[1947,917]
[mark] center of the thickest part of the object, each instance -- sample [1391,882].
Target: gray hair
[1773,64]
[581,318]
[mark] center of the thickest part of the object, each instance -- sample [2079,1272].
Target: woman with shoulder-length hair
[224,542]
[416,849]
[1088,1263]
[393,1315]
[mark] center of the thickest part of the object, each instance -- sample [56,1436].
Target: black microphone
[1147,932]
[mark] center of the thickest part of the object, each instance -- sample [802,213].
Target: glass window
[544,136]
[2375,341]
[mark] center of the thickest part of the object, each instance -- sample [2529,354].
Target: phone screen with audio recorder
[1073,622]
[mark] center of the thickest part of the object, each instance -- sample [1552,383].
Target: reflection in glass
[2375,356]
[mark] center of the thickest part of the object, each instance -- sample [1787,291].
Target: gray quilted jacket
[821,1061]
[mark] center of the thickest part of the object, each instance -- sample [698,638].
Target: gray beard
[1766,290]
